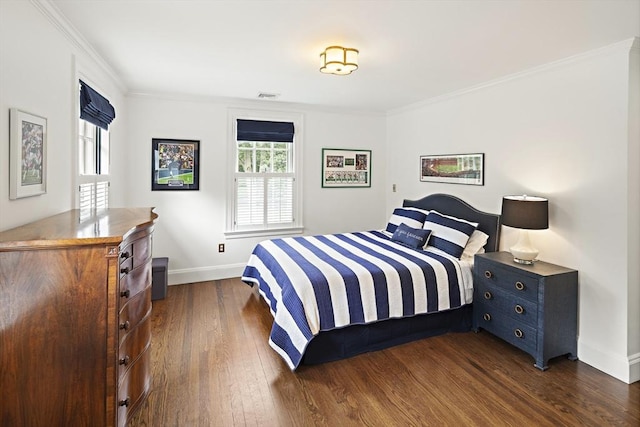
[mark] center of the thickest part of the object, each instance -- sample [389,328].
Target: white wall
[39,67]
[568,131]
[192,223]
[560,131]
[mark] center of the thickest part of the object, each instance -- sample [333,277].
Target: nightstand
[534,307]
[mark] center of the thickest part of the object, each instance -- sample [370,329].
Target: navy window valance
[95,108]
[261,130]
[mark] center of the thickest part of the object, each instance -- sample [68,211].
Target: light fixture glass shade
[526,213]
[339,60]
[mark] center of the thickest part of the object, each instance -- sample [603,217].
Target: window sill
[271,232]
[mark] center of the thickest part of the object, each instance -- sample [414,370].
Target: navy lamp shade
[526,213]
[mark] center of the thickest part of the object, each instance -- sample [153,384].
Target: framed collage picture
[346,168]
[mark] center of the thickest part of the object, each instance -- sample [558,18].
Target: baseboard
[634,368]
[624,368]
[203,274]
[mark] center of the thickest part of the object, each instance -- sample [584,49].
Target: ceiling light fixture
[339,60]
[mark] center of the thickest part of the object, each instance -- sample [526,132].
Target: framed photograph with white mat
[27,154]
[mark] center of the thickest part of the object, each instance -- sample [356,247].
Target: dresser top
[110,226]
[540,268]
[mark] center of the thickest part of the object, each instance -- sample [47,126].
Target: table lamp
[526,213]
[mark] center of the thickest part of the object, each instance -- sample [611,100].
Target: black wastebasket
[159,278]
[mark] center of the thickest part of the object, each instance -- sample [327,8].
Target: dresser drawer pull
[124,270]
[124,402]
[487,295]
[486,317]
[488,274]
[125,255]
[520,286]
[124,360]
[125,294]
[124,325]
[519,309]
[518,333]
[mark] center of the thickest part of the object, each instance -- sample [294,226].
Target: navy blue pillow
[450,234]
[415,238]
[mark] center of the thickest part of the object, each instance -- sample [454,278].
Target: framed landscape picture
[346,168]
[175,164]
[453,168]
[28,154]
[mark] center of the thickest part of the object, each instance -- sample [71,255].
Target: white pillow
[475,245]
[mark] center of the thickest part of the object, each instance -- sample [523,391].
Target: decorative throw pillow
[415,238]
[449,234]
[412,217]
[475,245]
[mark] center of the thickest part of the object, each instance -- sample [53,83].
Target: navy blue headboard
[450,205]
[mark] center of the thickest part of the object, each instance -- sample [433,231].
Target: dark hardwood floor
[212,366]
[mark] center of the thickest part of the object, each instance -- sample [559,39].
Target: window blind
[262,130]
[95,108]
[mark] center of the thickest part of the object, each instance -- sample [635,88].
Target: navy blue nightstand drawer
[519,284]
[494,298]
[516,333]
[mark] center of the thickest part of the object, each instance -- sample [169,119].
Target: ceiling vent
[265,95]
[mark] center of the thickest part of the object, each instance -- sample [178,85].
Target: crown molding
[62,24]
[627,45]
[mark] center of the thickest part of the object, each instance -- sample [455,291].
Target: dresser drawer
[134,282]
[141,251]
[510,280]
[133,312]
[132,346]
[489,297]
[516,333]
[134,386]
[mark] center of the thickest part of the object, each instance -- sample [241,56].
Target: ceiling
[410,51]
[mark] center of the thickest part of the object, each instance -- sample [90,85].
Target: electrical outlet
[394,188]
[221,247]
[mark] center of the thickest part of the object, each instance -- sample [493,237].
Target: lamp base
[524,261]
[522,251]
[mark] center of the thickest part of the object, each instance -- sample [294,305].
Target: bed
[336,296]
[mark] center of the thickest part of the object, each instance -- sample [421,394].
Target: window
[96,113]
[93,167]
[265,196]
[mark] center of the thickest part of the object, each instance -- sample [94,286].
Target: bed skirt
[357,339]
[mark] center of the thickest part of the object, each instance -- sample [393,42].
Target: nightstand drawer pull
[488,274]
[486,317]
[520,286]
[519,309]
[124,402]
[518,333]
[487,295]
[124,326]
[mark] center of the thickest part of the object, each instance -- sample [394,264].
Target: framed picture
[175,164]
[346,168]
[27,154]
[453,168]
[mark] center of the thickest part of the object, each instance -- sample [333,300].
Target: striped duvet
[319,283]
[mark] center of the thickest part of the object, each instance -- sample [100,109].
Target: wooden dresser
[75,332]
